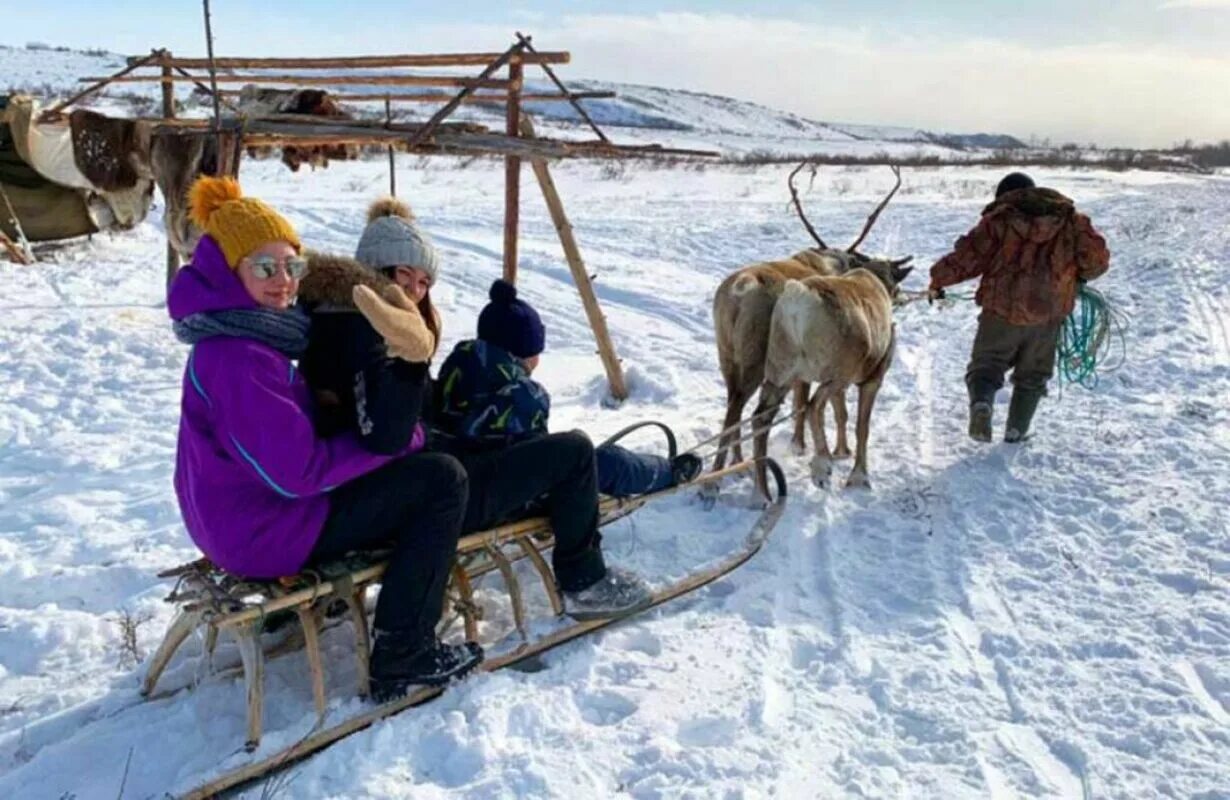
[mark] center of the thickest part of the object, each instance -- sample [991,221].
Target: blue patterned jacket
[486,397]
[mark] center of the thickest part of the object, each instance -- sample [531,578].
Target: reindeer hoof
[708,496]
[798,448]
[821,471]
[842,452]
[858,480]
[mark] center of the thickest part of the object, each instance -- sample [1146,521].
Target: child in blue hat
[487,399]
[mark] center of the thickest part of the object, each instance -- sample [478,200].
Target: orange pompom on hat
[238,224]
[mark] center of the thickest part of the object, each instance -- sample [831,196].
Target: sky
[1127,72]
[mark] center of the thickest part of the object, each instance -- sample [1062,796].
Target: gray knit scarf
[284,331]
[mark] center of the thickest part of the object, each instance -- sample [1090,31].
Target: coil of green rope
[1087,336]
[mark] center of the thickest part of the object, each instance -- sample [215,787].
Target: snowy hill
[639,113]
[1049,620]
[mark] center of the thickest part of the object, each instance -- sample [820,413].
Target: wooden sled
[212,602]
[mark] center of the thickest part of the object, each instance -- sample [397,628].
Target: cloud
[1171,4]
[1109,93]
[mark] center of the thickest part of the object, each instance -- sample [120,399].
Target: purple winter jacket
[251,475]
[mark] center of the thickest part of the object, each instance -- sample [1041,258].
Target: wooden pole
[207,90]
[560,85]
[433,97]
[451,106]
[512,175]
[100,83]
[606,348]
[355,62]
[319,80]
[27,252]
[213,85]
[388,122]
[13,250]
[443,97]
[168,112]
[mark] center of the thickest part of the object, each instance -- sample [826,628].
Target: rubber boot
[1021,414]
[980,421]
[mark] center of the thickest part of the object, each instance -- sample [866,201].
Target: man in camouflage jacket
[1031,249]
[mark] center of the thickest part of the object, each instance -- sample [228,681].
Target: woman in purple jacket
[261,494]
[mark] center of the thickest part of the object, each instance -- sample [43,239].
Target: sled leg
[544,572]
[211,644]
[309,620]
[362,638]
[465,591]
[185,622]
[514,589]
[248,635]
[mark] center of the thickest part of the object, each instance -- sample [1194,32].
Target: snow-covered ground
[1048,620]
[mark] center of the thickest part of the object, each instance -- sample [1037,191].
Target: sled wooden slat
[544,572]
[363,639]
[309,619]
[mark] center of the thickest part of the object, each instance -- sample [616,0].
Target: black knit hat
[1012,182]
[511,323]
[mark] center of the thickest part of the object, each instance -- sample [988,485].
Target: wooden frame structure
[515,143]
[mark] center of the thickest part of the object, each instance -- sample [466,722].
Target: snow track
[1049,620]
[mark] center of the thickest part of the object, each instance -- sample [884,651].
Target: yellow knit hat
[238,224]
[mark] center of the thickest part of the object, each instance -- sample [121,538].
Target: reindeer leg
[822,463]
[841,419]
[771,397]
[798,444]
[736,401]
[866,399]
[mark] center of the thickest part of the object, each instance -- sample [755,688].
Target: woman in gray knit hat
[374,366]
[394,244]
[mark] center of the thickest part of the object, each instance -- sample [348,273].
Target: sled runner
[212,602]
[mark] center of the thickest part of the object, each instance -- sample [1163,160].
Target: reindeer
[742,312]
[836,331]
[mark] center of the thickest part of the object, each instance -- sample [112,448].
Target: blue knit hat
[511,323]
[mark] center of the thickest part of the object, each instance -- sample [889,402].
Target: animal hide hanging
[110,152]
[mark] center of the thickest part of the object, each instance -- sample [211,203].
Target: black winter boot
[398,664]
[1021,414]
[685,468]
[980,421]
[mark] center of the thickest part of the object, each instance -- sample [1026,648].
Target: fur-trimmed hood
[330,281]
[1035,214]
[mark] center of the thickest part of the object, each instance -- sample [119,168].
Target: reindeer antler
[871,220]
[794,197]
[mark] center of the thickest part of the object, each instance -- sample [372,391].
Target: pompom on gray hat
[393,238]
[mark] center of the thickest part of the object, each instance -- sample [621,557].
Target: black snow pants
[416,505]
[554,473]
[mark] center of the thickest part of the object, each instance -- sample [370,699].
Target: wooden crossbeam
[360,62]
[335,79]
[441,97]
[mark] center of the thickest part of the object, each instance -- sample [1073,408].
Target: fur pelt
[330,281]
[114,154]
